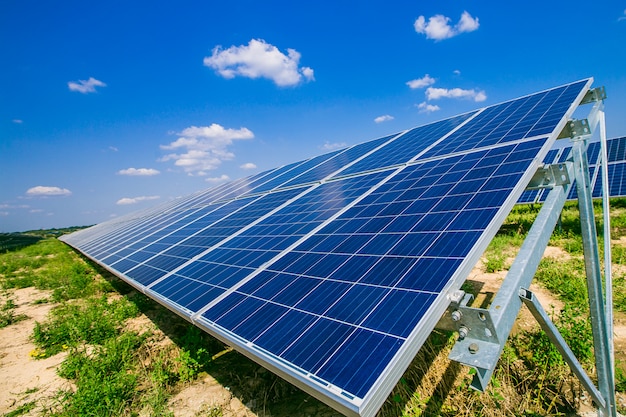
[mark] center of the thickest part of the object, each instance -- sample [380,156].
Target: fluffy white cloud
[327,146]
[85,86]
[41,190]
[145,172]
[456,72]
[433,93]
[135,200]
[203,148]
[18,121]
[384,118]
[438,27]
[221,178]
[259,59]
[427,108]
[425,81]
[248,165]
[622,17]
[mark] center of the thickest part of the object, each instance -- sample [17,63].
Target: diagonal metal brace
[555,337]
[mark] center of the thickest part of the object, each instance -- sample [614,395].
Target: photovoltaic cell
[407,146]
[333,271]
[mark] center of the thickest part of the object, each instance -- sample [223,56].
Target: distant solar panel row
[333,271]
[616,155]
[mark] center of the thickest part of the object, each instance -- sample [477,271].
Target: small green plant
[21,410]
[7,314]
[106,379]
[72,324]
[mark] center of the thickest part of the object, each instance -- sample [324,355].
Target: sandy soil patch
[22,378]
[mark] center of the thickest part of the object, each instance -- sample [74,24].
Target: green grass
[94,322]
[51,265]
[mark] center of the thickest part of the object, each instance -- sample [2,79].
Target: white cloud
[438,26]
[4,213]
[433,93]
[135,200]
[11,206]
[384,118]
[18,121]
[113,148]
[145,172]
[425,81]
[248,165]
[456,72]
[41,190]
[221,178]
[203,148]
[622,17]
[259,59]
[36,211]
[85,86]
[333,146]
[428,108]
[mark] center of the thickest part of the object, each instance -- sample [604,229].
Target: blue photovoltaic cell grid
[196,285]
[295,170]
[617,182]
[525,117]
[118,237]
[616,149]
[151,270]
[365,279]
[179,240]
[338,277]
[337,162]
[407,146]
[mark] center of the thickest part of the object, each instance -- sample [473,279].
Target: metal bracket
[478,344]
[548,176]
[593,95]
[575,128]
[469,322]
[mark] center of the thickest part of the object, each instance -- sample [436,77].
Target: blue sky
[110,107]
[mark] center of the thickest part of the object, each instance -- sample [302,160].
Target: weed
[565,277]
[105,378]
[21,410]
[8,316]
[92,322]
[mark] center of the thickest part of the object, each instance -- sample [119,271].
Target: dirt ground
[24,379]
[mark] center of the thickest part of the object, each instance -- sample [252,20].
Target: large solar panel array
[333,271]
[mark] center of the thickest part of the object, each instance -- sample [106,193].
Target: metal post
[608,278]
[602,351]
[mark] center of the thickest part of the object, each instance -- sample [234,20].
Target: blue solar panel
[408,145]
[525,117]
[616,149]
[333,271]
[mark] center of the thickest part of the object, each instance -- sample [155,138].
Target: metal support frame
[483,332]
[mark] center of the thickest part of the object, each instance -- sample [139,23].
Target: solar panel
[333,271]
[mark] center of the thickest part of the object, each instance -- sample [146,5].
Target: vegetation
[129,356]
